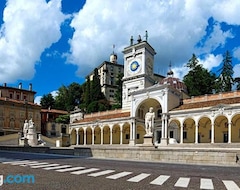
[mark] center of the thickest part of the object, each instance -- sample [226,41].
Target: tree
[96,92]
[68,96]
[47,101]
[199,80]
[118,92]
[93,98]
[63,119]
[225,79]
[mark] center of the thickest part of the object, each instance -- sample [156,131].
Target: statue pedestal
[148,140]
[164,142]
[32,137]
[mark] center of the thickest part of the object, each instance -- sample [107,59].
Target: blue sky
[56,42]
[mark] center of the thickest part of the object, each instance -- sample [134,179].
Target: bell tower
[138,68]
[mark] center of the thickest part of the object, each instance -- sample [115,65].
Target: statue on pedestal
[149,122]
[25,129]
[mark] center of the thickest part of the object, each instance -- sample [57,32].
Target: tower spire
[170,72]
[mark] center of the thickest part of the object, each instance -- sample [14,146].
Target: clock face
[134,66]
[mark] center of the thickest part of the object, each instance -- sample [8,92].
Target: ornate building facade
[17,105]
[203,119]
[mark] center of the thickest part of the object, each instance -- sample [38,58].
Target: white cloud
[174,27]
[29,28]
[236,70]
[211,61]
[216,39]
[236,53]
[37,100]
[226,10]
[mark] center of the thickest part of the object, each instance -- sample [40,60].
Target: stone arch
[97,135]
[73,140]
[81,135]
[235,128]
[140,132]
[221,129]
[88,135]
[144,106]
[189,127]
[204,130]
[106,134]
[174,130]
[126,133]
[116,134]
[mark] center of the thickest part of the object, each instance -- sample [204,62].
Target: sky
[51,43]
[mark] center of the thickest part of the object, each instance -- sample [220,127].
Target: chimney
[5,84]
[20,85]
[30,87]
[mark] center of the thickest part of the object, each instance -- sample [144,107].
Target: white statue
[149,121]
[25,129]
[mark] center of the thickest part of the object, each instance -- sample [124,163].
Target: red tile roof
[209,103]
[102,117]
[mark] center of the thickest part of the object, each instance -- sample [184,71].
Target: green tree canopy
[68,97]
[93,98]
[199,80]
[118,92]
[225,79]
[47,101]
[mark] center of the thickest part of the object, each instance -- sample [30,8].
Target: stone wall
[220,157]
[206,157]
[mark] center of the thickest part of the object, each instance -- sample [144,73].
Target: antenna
[146,35]
[113,48]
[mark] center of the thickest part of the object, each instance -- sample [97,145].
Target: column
[121,133]
[101,136]
[212,133]
[163,128]
[132,133]
[166,127]
[93,135]
[77,137]
[85,136]
[196,134]
[181,133]
[229,132]
[111,133]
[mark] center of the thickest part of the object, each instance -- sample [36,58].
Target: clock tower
[138,69]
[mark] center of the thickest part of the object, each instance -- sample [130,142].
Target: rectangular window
[184,134]
[138,136]
[171,134]
[127,136]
